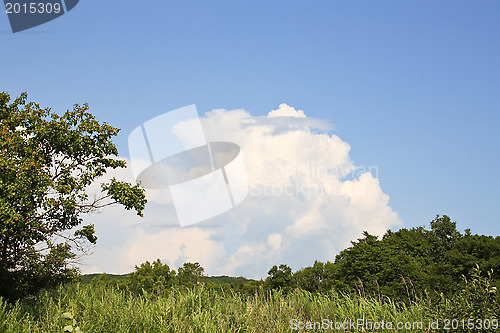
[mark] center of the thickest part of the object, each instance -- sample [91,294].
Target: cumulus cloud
[307,200]
[285,110]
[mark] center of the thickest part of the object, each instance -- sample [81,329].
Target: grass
[101,308]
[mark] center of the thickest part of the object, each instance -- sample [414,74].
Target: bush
[478,300]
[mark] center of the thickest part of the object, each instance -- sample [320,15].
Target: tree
[314,278]
[414,261]
[444,229]
[280,278]
[151,277]
[190,273]
[46,163]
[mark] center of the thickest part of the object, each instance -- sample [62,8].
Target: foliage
[415,262]
[105,308]
[154,299]
[153,277]
[239,284]
[129,282]
[101,308]
[280,278]
[46,163]
[190,274]
[478,298]
[317,278]
[406,265]
[71,327]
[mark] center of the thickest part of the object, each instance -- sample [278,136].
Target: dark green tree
[46,163]
[411,262]
[360,264]
[317,278]
[190,274]
[153,277]
[280,278]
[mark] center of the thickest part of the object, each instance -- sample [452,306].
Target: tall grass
[101,308]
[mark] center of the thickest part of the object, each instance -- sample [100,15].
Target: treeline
[153,277]
[156,277]
[406,264]
[403,264]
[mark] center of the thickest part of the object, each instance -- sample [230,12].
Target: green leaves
[190,273]
[71,327]
[151,277]
[88,233]
[131,197]
[280,277]
[433,260]
[47,161]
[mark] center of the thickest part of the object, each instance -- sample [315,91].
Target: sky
[405,92]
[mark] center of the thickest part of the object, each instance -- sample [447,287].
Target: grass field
[103,308]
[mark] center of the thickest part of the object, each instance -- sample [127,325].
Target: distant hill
[223,279]
[86,278]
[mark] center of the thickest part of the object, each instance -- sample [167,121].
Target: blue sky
[412,86]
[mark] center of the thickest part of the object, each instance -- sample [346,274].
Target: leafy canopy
[46,163]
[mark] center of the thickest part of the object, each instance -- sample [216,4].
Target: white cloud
[285,110]
[306,202]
